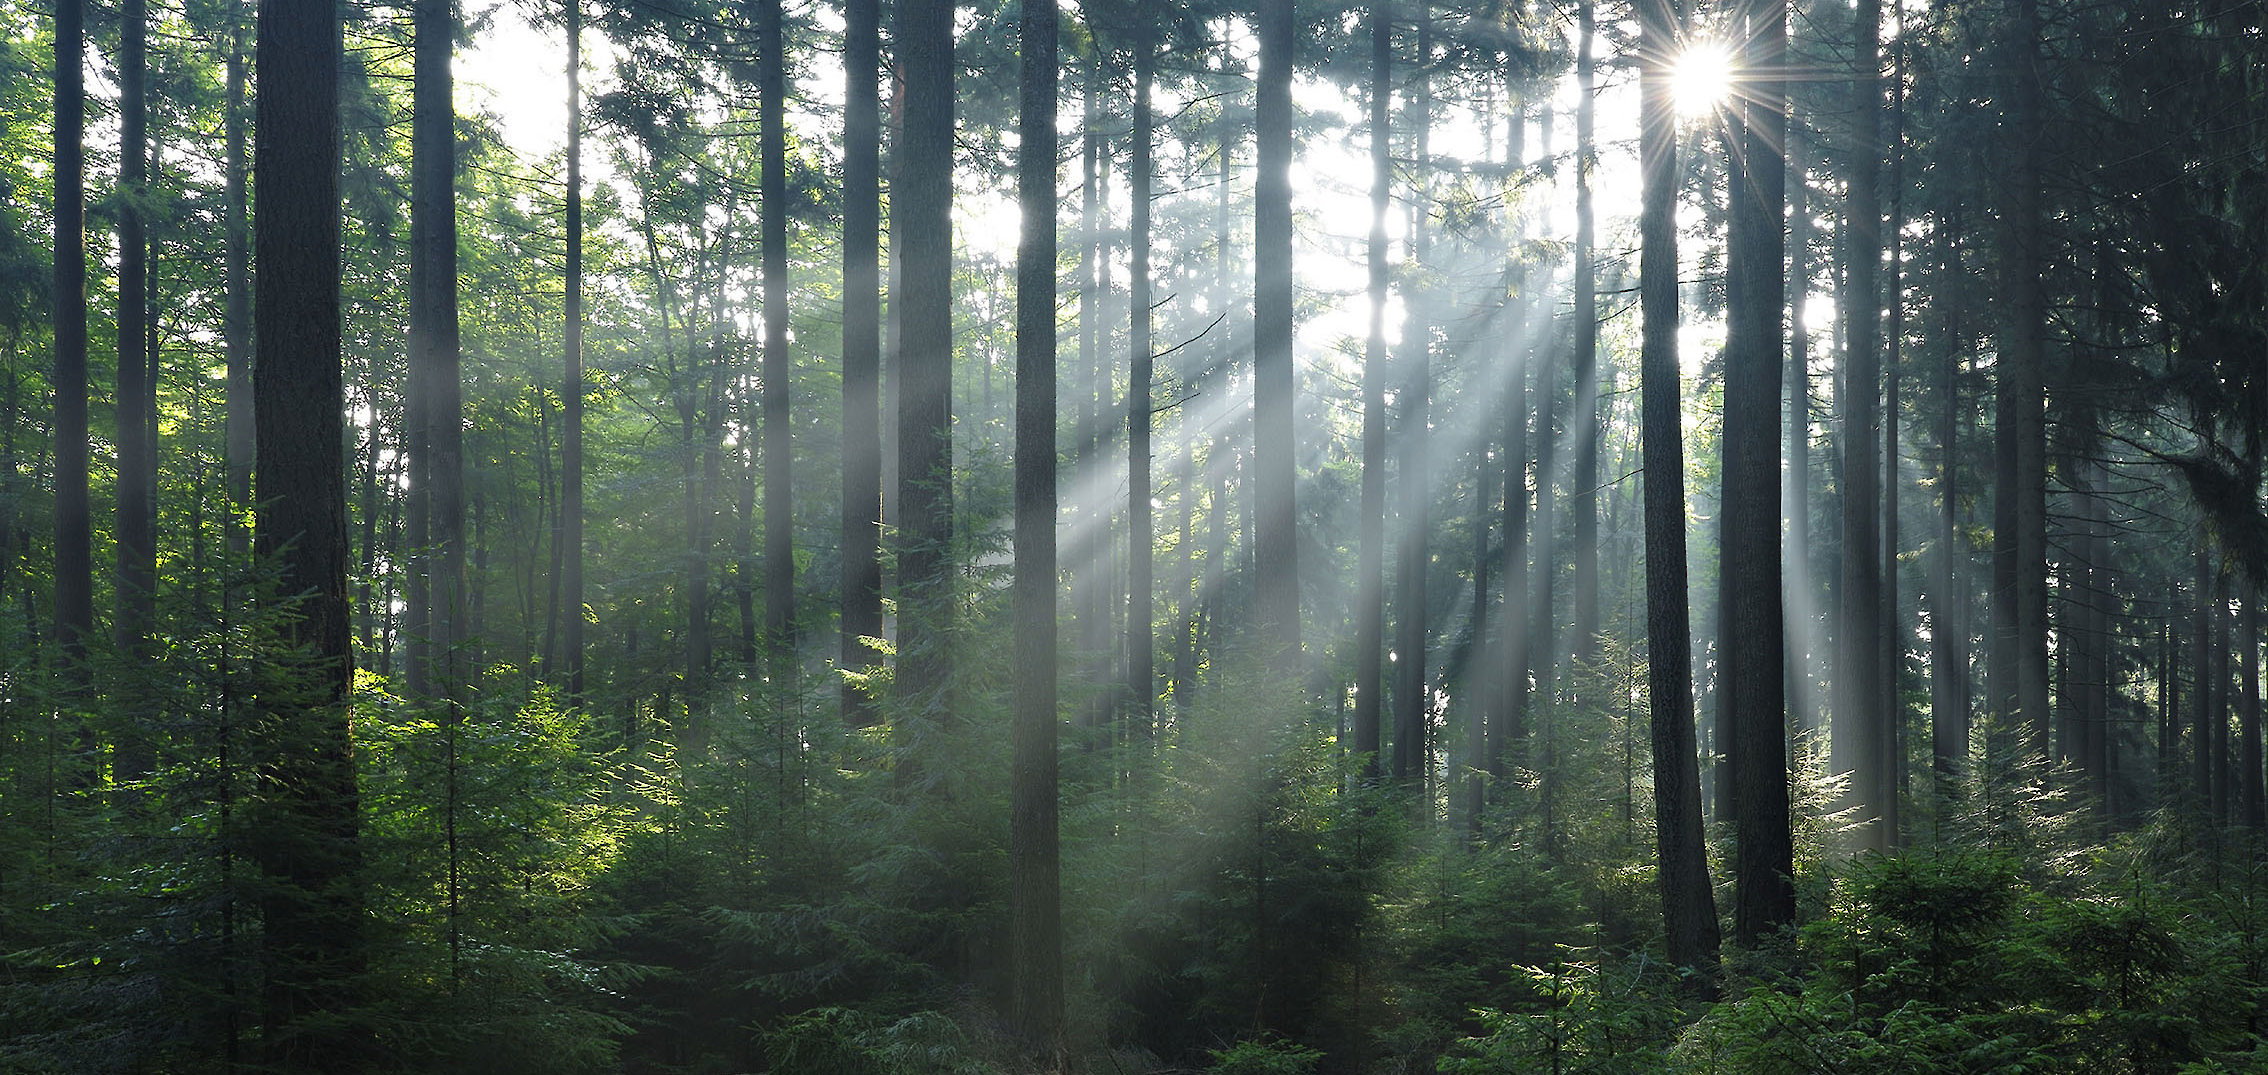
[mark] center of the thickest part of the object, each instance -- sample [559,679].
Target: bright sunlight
[1701,79]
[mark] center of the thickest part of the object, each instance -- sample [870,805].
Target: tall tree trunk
[1410,685]
[779,527]
[921,208]
[862,353]
[1689,909]
[1583,421]
[2248,649]
[1370,580]
[74,563]
[2201,692]
[1276,528]
[2022,374]
[1948,627]
[136,535]
[1035,886]
[1508,716]
[1141,552]
[570,540]
[307,827]
[1751,685]
[237,318]
[1889,749]
[1859,716]
[437,506]
[1801,592]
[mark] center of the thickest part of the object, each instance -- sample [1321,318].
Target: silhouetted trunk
[1751,684]
[306,825]
[2248,647]
[1508,716]
[1141,551]
[920,206]
[1370,579]
[74,563]
[1035,888]
[1583,421]
[136,534]
[1948,627]
[1689,909]
[862,353]
[1859,717]
[570,540]
[1416,474]
[2022,372]
[1276,527]
[2201,690]
[779,526]
[1799,588]
[436,437]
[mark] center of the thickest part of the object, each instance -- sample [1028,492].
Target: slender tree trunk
[1751,684]
[307,845]
[2225,794]
[1800,589]
[1276,528]
[862,353]
[1689,909]
[2201,692]
[2248,649]
[74,563]
[921,205]
[2022,375]
[237,318]
[1584,419]
[437,553]
[1035,884]
[1508,716]
[1370,580]
[570,540]
[1948,628]
[136,534]
[1859,718]
[1141,552]
[1411,689]
[779,527]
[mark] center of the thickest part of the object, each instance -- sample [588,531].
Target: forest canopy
[1557,535]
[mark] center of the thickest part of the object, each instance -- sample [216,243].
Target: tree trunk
[1583,421]
[307,827]
[1689,909]
[921,207]
[1508,714]
[436,439]
[1035,883]
[136,535]
[1370,581]
[570,539]
[1801,592]
[1141,551]
[2022,376]
[74,563]
[1276,529]
[2201,692]
[1948,627]
[1859,717]
[779,527]
[1416,473]
[862,353]
[1751,684]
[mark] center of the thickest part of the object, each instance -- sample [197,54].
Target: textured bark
[1583,420]
[2201,690]
[1751,686]
[74,563]
[1689,909]
[570,539]
[1857,731]
[1141,551]
[1411,688]
[921,219]
[1948,628]
[2022,376]
[1370,580]
[1508,715]
[1035,887]
[862,353]
[137,449]
[237,317]
[436,433]
[306,823]
[779,516]
[1276,529]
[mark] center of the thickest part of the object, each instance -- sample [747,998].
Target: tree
[436,423]
[1751,683]
[74,564]
[1141,553]
[137,395]
[1035,887]
[862,352]
[1370,583]
[1860,719]
[2021,375]
[568,542]
[1276,525]
[307,846]
[779,526]
[1689,909]
[1410,686]
[1584,419]
[921,220]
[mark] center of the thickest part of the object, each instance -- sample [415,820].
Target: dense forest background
[1521,535]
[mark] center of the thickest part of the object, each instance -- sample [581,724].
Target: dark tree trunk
[436,437]
[1370,580]
[1416,474]
[921,219]
[2201,691]
[1948,628]
[1035,882]
[1583,421]
[570,539]
[1689,909]
[1508,716]
[862,353]
[74,563]
[306,826]
[1276,527]
[2022,375]
[2248,648]
[779,526]
[1751,684]
[1141,552]
[1859,715]
[136,535]
[1800,588]
[237,320]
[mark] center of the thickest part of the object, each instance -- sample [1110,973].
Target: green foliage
[1265,1057]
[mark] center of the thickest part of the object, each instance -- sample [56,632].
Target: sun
[1701,78]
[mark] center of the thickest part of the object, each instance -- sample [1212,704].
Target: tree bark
[1034,864]
[1274,387]
[2023,373]
[436,437]
[921,217]
[1584,419]
[307,824]
[1689,909]
[862,353]
[1751,684]
[1370,580]
[1411,689]
[570,540]
[779,524]
[74,563]
[1859,718]
[1141,551]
